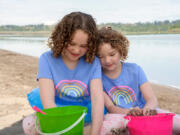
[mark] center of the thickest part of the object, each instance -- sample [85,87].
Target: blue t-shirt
[125,89]
[70,85]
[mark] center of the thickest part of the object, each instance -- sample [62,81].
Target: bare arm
[149,96]
[113,108]
[46,87]
[97,103]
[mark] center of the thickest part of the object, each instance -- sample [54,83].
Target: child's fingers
[146,111]
[142,112]
[135,112]
[139,112]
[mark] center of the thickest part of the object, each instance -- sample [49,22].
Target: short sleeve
[96,72]
[44,70]
[141,76]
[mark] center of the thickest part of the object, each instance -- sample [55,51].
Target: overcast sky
[23,12]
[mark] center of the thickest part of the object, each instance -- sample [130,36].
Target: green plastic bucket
[67,120]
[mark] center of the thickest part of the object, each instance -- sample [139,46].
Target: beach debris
[119,131]
[139,112]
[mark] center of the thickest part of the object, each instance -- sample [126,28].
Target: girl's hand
[135,112]
[148,111]
[142,112]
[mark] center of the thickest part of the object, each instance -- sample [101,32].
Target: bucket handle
[62,131]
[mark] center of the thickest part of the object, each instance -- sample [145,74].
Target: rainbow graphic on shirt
[123,94]
[71,88]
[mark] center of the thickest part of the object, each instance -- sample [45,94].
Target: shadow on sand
[14,129]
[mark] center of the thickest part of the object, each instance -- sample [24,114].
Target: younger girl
[127,90]
[70,74]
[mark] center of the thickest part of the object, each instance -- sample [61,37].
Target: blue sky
[23,12]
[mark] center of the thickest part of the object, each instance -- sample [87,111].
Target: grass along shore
[48,33]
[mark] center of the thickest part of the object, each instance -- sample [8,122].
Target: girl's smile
[109,65]
[75,55]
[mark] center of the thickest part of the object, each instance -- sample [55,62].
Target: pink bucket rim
[150,116]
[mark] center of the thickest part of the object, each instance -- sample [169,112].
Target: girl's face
[109,57]
[77,47]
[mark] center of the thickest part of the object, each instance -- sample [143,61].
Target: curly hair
[64,30]
[115,39]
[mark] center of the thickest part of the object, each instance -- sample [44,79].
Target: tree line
[154,27]
[126,28]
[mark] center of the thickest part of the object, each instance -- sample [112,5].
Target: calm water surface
[158,55]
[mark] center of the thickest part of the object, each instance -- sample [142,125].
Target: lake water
[158,55]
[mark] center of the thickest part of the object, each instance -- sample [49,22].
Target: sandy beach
[18,77]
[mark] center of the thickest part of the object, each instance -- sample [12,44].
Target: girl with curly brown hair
[71,71]
[126,87]
[125,84]
[123,78]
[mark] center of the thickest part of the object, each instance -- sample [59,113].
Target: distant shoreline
[47,33]
[138,28]
[25,33]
